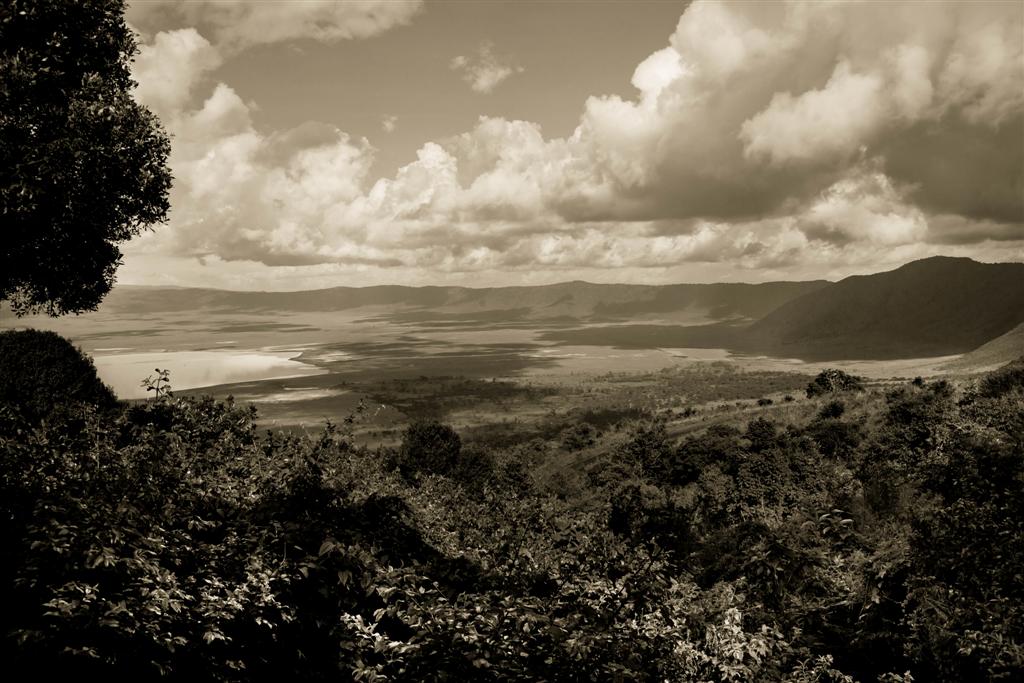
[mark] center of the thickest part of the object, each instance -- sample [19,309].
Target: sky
[488,143]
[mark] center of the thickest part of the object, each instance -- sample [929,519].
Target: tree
[830,381]
[40,371]
[430,448]
[761,433]
[83,167]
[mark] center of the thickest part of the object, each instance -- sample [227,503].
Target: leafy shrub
[578,437]
[833,410]
[647,447]
[997,402]
[834,438]
[831,381]
[915,417]
[966,604]
[609,418]
[761,433]
[41,371]
[719,445]
[1007,379]
[474,467]
[429,447]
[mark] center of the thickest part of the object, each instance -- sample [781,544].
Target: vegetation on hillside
[879,537]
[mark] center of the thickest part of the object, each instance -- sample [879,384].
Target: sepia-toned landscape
[389,340]
[480,358]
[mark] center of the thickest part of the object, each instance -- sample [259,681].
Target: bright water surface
[124,372]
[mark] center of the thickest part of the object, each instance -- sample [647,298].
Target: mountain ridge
[710,301]
[930,307]
[939,306]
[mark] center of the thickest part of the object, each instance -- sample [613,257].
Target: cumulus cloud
[234,25]
[483,71]
[388,123]
[864,206]
[239,192]
[772,102]
[243,194]
[983,71]
[775,137]
[171,67]
[835,119]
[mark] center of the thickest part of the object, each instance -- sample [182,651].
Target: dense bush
[998,402]
[1007,379]
[41,371]
[430,447]
[611,417]
[172,539]
[579,436]
[831,381]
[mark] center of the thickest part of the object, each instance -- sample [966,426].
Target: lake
[124,372]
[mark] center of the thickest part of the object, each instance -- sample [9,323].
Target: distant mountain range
[565,301]
[933,307]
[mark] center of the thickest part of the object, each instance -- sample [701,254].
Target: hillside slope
[932,307]
[999,351]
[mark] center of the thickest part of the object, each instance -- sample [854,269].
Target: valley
[537,358]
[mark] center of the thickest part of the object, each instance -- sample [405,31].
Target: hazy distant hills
[932,307]
[566,301]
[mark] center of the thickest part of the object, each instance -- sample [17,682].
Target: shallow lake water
[124,372]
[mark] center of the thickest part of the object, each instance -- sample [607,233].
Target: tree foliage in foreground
[83,167]
[881,542]
[41,371]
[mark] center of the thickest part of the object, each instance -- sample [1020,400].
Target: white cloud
[169,68]
[836,119]
[764,102]
[483,71]
[235,25]
[389,123]
[718,40]
[764,136]
[984,71]
[863,207]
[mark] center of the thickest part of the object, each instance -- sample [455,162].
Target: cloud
[956,230]
[762,104]
[235,25]
[865,206]
[482,70]
[170,67]
[242,194]
[791,139]
[388,123]
[983,71]
[833,120]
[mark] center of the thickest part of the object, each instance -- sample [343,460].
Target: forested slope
[876,537]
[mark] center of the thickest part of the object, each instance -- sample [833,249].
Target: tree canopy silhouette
[83,167]
[41,370]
